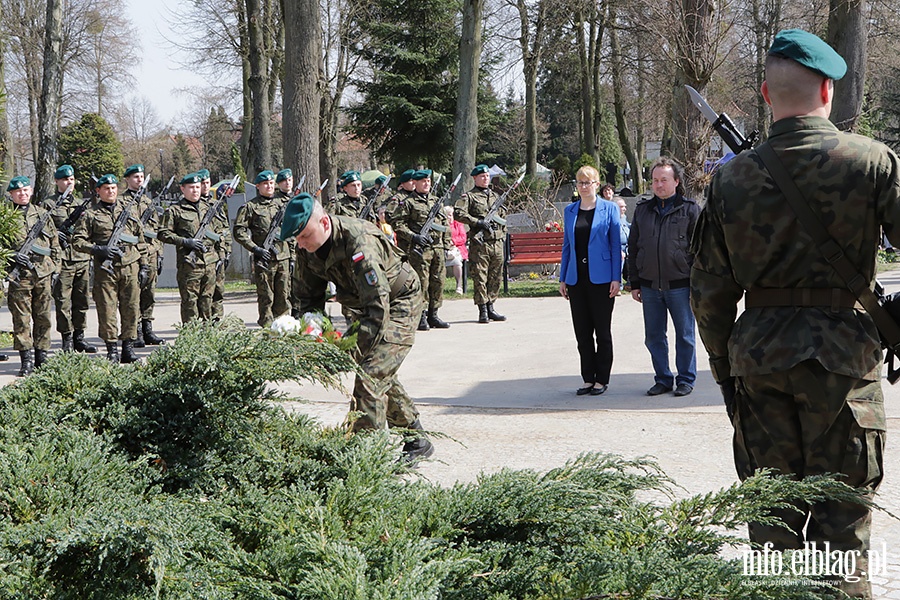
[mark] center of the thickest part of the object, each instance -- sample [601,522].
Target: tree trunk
[618,85]
[7,151]
[595,62]
[260,155]
[587,100]
[465,129]
[847,34]
[246,102]
[302,102]
[51,91]
[531,56]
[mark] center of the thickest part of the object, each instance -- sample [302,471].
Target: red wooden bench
[541,248]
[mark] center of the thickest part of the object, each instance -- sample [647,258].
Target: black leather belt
[833,298]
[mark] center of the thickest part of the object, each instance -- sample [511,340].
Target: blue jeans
[656,303]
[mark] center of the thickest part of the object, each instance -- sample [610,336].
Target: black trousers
[592,318]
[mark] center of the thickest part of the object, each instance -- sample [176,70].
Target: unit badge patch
[371,277]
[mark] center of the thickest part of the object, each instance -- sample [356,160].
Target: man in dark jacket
[659,264]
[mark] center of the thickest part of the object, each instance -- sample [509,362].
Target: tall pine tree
[409,103]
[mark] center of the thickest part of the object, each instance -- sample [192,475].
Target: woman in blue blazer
[589,277]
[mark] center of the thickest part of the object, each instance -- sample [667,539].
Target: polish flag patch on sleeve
[358,257]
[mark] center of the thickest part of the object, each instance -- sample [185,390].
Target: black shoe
[435,321]
[423,323]
[4,357]
[584,391]
[483,314]
[79,344]
[598,389]
[417,449]
[67,343]
[112,351]
[40,357]
[27,358]
[128,355]
[658,389]
[493,315]
[150,338]
[683,389]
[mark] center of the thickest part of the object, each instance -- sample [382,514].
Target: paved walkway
[504,395]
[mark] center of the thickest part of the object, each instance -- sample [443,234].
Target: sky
[159,75]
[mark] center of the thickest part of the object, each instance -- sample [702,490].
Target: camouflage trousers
[431,269]
[809,421]
[70,295]
[148,292]
[218,297]
[120,292]
[378,394]
[486,269]
[29,306]
[196,285]
[273,291]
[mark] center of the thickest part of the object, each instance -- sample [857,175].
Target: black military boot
[112,351]
[492,314]
[67,345]
[4,357]
[150,338]
[128,355]
[27,358]
[417,449]
[138,342]
[423,322]
[483,314]
[435,321]
[40,357]
[79,344]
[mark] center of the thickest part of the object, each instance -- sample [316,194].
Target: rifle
[68,226]
[723,125]
[433,213]
[366,211]
[274,231]
[118,233]
[30,245]
[492,216]
[203,230]
[154,207]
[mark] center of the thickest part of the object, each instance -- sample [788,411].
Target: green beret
[190,178]
[349,177]
[810,51]
[421,174]
[108,178]
[296,215]
[203,173]
[283,175]
[134,169]
[479,169]
[379,181]
[64,171]
[407,175]
[266,175]
[18,182]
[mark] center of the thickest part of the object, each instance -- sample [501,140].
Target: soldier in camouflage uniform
[118,290]
[284,181]
[485,256]
[271,267]
[70,294]
[430,259]
[134,180]
[800,369]
[29,298]
[180,223]
[373,279]
[350,202]
[222,245]
[405,187]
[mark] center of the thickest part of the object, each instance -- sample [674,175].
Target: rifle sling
[830,249]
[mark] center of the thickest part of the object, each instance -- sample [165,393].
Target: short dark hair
[606,186]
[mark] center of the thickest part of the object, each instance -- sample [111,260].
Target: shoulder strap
[830,249]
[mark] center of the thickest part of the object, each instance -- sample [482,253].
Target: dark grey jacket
[659,255]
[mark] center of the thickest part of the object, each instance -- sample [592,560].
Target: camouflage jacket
[410,216]
[221,225]
[252,225]
[181,221]
[474,205]
[27,216]
[749,237]
[345,206]
[96,225]
[59,213]
[154,245]
[364,266]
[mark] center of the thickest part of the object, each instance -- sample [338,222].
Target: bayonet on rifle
[203,230]
[493,215]
[30,246]
[429,224]
[723,124]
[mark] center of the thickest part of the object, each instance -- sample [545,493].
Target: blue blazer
[604,245]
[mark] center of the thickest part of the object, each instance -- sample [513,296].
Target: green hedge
[181,478]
